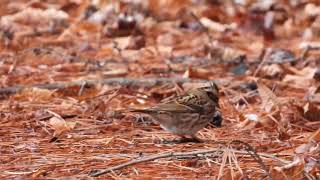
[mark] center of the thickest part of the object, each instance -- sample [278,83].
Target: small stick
[254,155]
[96,173]
[264,59]
[305,52]
[139,82]
[82,88]
[206,30]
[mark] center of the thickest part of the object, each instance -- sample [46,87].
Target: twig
[206,30]
[139,82]
[150,158]
[305,52]
[82,88]
[96,173]
[254,155]
[264,55]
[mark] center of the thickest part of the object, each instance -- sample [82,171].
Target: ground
[72,70]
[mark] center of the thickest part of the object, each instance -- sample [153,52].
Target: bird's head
[212,91]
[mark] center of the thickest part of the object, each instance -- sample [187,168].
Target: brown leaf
[308,148]
[35,94]
[248,121]
[122,42]
[292,171]
[167,8]
[60,126]
[105,51]
[303,78]
[216,26]
[272,71]
[197,73]
[311,112]
[269,99]
[315,136]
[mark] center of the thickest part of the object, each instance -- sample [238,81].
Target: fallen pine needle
[96,173]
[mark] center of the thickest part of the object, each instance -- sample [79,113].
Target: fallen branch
[96,173]
[140,82]
[264,59]
[206,30]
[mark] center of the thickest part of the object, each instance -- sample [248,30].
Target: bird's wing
[182,104]
[189,103]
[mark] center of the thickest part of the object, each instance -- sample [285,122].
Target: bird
[185,115]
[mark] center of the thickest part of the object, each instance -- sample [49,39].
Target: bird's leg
[193,138]
[183,139]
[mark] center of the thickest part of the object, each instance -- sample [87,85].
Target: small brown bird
[186,115]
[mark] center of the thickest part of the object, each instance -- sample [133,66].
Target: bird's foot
[196,139]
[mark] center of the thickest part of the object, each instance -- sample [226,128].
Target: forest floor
[70,70]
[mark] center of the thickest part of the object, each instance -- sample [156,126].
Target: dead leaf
[315,136]
[35,94]
[165,50]
[310,147]
[303,78]
[122,42]
[105,51]
[248,121]
[100,15]
[311,9]
[136,42]
[311,112]
[311,45]
[292,171]
[168,8]
[34,16]
[269,99]
[216,26]
[197,73]
[88,27]
[272,71]
[60,126]
[247,124]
